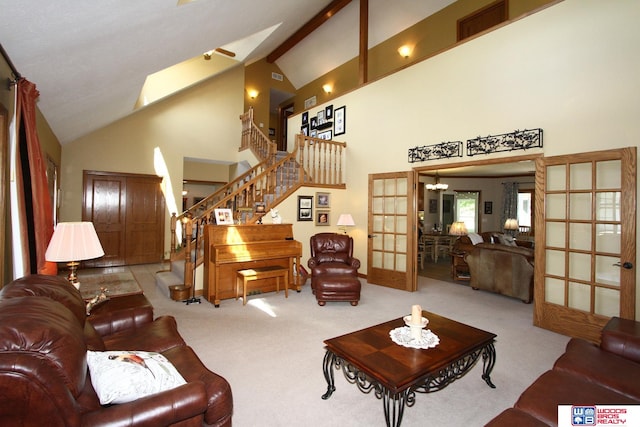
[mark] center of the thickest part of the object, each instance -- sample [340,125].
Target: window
[467,209]
[525,208]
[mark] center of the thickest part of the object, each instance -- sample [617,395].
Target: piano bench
[259,273]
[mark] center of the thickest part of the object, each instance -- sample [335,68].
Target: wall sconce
[253,94]
[344,221]
[327,88]
[405,51]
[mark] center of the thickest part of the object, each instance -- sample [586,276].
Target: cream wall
[200,122]
[205,171]
[571,69]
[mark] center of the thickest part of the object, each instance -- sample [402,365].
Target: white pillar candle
[416,315]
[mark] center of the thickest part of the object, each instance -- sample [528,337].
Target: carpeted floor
[271,352]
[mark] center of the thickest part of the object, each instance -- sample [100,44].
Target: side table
[459,268]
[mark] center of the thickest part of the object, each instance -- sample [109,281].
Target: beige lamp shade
[458,228]
[344,221]
[74,241]
[511,224]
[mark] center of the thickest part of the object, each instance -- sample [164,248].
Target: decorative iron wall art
[444,150]
[517,140]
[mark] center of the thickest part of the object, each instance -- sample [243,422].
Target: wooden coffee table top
[373,352]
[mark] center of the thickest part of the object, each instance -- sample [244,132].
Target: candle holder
[416,330]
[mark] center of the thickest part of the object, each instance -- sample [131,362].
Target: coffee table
[372,361]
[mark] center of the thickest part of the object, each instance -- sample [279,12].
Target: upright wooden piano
[229,248]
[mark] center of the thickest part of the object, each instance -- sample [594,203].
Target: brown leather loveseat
[586,374]
[44,379]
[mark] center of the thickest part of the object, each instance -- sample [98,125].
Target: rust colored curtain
[37,222]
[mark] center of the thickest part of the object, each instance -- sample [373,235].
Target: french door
[585,241]
[392,231]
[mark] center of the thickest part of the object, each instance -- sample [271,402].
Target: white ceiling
[90,59]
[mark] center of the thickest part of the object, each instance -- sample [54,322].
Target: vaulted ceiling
[90,59]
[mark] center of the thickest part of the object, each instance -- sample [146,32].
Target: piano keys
[229,248]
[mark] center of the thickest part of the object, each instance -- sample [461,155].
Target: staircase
[313,162]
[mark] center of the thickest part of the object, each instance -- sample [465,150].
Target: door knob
[626,265]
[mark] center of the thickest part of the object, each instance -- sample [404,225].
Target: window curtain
[36,214]
[509,201]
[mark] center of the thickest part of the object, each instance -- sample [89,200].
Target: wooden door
[585,241]
[144,239]
[392,232]
[127,212]
[105,205]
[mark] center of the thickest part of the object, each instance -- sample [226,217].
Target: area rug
[117,284]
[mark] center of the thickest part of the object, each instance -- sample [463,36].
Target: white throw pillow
[475,238]
[124,376]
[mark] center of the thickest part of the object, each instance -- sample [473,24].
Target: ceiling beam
[322,17]
[363,62]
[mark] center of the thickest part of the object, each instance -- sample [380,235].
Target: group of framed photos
[322,215]
[320,125]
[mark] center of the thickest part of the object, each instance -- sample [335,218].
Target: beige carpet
[271,352]
[117,283]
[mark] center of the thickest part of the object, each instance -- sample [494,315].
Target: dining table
[436,241]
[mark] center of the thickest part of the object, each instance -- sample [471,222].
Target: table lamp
[511,225]
[458,229]
[73,242]
[344,221]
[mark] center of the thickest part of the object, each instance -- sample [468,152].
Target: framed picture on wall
[323,217]
[488,208]
[323,200]
[328,112]
[433,206]
[305,118]
[305,208]
[339,123]
[304,129]
[326,134]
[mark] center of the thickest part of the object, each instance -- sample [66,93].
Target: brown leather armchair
[334,270]
[332,253]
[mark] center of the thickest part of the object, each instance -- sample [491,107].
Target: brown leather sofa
[44,338]
[334,270]
[496,266]
[503,269]
[586,374]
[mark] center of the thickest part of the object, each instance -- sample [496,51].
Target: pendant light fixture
[438,186]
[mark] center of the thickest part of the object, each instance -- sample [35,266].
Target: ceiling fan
[207,55]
